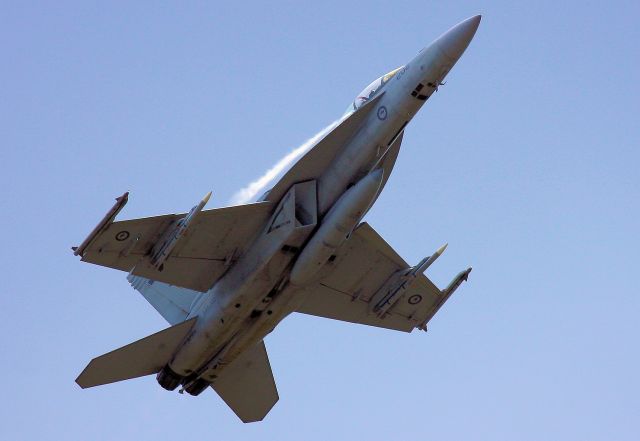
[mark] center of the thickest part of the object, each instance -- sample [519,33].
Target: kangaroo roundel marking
[382,113]
[415,299]
[122,235]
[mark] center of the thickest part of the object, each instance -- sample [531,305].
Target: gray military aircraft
[224,278]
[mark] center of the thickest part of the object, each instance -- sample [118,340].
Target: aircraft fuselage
[267,281]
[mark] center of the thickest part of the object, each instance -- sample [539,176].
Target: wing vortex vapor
[251,190]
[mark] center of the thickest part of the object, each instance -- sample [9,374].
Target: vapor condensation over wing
[250,191]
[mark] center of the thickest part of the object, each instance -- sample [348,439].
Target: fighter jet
[224,278]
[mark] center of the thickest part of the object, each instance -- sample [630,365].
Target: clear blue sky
[526,162]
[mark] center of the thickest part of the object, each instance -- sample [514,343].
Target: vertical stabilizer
[247,385]
[172,302]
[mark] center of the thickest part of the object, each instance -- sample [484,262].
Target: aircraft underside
[224,278]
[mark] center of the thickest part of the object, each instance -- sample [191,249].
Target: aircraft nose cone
[455,40]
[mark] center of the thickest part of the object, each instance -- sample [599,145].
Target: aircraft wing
[363,270]
[247,385]
[211,243]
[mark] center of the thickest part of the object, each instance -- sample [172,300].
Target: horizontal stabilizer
[247,385]
[143,357]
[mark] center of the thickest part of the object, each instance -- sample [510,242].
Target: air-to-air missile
[391,295]
[447,292]
[170,239]
[108,218]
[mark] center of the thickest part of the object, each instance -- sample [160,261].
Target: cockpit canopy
[371,90]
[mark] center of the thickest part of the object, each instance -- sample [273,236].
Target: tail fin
[172,302]
[143,357]
[247,385]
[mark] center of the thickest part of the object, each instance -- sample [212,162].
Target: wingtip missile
[463,276]
[441,249]
[446,294]
[108,218]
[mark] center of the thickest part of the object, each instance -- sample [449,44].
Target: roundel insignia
[415,299]
[382,113]
[122,235]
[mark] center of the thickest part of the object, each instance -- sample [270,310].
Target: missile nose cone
[206,198]
[454,42]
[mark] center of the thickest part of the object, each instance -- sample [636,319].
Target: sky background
[526,162]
